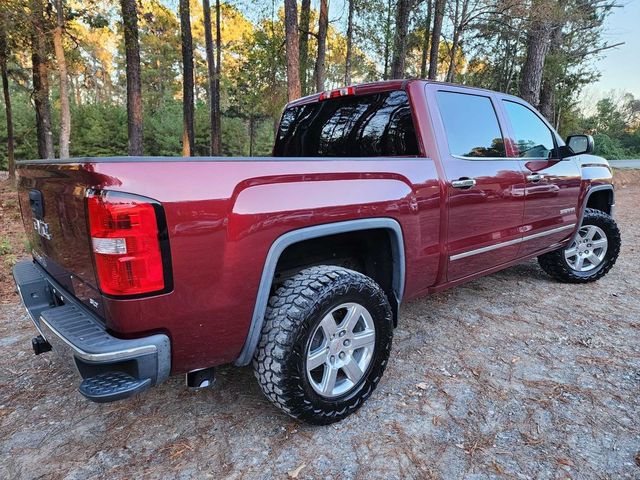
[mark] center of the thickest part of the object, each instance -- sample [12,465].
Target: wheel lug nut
[347,342]
[342,355]
[342,333]
[332,359]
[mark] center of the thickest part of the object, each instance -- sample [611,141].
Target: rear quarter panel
[223,217]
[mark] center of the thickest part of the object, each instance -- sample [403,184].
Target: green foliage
[163,128]
[24,125]
[615,127]
[608,147]
[5,246]
[98,130]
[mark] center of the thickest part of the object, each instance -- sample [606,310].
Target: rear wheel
[590,255]
[325,343]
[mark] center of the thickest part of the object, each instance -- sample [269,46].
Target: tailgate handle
[36,204]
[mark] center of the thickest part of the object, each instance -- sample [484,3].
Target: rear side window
[471,125]
[533,138]
[375,125]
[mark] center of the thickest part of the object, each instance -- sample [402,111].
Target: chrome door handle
[535,177]
[463,183]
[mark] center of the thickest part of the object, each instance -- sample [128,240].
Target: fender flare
[316,231]
[592,190]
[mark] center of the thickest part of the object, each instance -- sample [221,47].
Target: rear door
[552,184]
[484,186]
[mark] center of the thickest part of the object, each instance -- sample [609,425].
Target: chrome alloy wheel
[587,250]
[340,350]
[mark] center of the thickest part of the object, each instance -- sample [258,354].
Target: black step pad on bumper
[111,386]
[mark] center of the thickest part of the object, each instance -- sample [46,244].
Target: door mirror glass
[580,144]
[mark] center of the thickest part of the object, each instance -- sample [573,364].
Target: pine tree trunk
[425,40]
[457,34]
[211,75]
[454,42]
[77,96]
[292,50]
[435,39]
[305,18]
[323,26]
[65,111]
[400,38]
[387,41]
[252,133]
[134,82]
[349,53]
[547,92]
[187,79]
[41,83]
[4,54]
[216,84]
[531,76]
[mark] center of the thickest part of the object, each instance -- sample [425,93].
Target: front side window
[533,138]
[471,125]
[374,125]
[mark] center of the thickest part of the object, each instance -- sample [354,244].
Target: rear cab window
[470,125]
[372,125]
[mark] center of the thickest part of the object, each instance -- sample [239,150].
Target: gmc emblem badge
[42,228]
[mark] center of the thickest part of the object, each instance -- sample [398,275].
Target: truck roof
[385,85]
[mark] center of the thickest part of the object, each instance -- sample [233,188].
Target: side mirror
[580,144]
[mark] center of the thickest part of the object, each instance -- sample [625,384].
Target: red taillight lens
[126,243]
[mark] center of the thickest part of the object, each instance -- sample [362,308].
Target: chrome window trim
[508,243]
[462,157]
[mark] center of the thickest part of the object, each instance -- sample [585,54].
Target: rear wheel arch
[282,243]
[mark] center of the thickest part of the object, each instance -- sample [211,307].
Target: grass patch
[5,246]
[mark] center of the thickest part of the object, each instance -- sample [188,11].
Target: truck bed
[222,215]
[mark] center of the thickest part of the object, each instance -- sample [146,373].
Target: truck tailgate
[52,201]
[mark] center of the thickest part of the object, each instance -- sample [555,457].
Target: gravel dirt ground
[510,376]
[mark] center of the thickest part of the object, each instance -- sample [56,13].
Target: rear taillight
[127,244]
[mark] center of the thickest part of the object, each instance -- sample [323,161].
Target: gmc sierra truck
[298,263]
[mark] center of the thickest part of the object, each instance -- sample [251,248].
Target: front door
[553,184]
[484,186]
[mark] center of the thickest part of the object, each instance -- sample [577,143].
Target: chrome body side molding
[508,243]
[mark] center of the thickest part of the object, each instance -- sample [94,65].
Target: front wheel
[590,255]
[325,343]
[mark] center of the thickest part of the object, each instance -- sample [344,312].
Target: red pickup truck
[375,194]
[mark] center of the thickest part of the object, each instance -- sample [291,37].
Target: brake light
[126,243]
[339,92]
